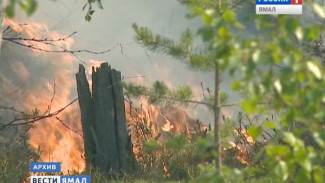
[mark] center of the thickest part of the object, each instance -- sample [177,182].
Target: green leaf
[289,138]
[291,25]
[277,150]
[302,176]
[35,112]
[254,132]
[249,105]
[320,141]
[88,18]
[91,12]
[99,4]
[228,16]
[299,33]
[278,86]
[207,33]
[319,10]
[281,170]
[223,32]
[314,69]
[306,164]
[318,174]
[29,6]
[10,9]
[206,18]
[236,85]
[312,33]
[256,55]
[270,124]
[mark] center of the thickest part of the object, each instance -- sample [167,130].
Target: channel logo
[61,179]
[289,7]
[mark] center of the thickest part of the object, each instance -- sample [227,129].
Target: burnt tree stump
[106,139]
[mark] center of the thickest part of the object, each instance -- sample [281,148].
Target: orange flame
[53,140]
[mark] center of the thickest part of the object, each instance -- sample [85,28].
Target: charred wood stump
[106,140]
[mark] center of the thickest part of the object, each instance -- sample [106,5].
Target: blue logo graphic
[45,167]
[75,178]
[61,179]
[280,2]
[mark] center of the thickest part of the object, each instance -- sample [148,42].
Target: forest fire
[162,119]
[161,91]
[59,138]
[50,137]
[147,121]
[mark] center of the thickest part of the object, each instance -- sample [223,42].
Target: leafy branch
[159,93]
[183,49]
[90,10]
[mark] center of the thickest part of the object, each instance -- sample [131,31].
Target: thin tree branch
[41,40]
[187,101]
[49,107]
[68,127]
[63,50]
[203,94]
[30,119]
[30,43]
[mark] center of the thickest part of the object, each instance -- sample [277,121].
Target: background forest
[220,94]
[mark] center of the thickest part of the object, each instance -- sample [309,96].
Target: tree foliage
[277,75]
[28,6]
[183,49]
[160,94]
[276,72]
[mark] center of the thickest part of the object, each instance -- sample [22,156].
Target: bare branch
[68,127]
[146,52]
[203,91]
[63,50]
[8,27]
[29,119]
[31,43]
[49,107]
[42,40]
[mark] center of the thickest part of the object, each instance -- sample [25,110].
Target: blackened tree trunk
[87,115]
[106,140]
